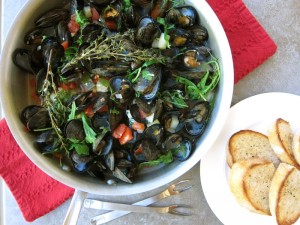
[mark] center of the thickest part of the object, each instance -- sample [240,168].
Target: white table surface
[280,73]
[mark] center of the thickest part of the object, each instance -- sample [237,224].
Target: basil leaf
[166,159]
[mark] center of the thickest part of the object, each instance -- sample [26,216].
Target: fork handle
[97,204]
[106,217]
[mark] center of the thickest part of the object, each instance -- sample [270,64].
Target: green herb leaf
[191,88]
[167,27]
[174,97]
[147,75]
[73,111]
[90,135]
[80,148]
[81,19]
[133,76]
[166,159]
[114,111]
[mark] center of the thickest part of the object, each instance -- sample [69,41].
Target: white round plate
[256,113]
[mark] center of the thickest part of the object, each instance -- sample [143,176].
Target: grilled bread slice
[284,196]
[296,147]
[246,144]
[281,139]
[250,181]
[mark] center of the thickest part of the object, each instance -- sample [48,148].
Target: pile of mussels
[122,84]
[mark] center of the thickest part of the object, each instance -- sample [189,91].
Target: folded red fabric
[249,42]
[38,194]
[35,192]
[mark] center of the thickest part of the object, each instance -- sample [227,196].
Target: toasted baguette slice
[296,147]
[250,181]
[281,138]
[284,197]
[246,144]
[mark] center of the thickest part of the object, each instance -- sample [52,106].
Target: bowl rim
[135,188]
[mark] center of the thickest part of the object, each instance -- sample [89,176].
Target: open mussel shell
[145,150]
[159,8]
[100,121]
[35,117]
[172,121]
[182,16]
[181,147]
[154,133]
[121,89]
[46,141]
[81,162]
[179,37]
[196,118]
[52,51]
[148,83]
[147,30]
[104,146]
[63,33]
[52,17]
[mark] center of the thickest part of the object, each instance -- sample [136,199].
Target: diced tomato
[155,11]
[139,150]
[68,86]
[126,137]
[95,14]
[119,131]
[138,126]
[103,109]
[89,111]
[65,44]
[73,25]
[111,24]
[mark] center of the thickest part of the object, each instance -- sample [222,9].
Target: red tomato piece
[65,44]
[126,137]
[73,25]
[138,126]
[119,131]
[95,14]
[89,111]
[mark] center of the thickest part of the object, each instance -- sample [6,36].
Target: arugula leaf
[147,75]
[133,76]
[81,19]
[126,5]
[73,111]
[165,158]
[90,135]
[191,88]
[174,97]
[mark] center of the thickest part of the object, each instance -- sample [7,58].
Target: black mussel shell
[63,33]
[23,58]
[179,37]
[52,17]
[74,130]
[154,133]
[148,30]
[121,89]
[52,48]
[172,121]
[183,16]
[145,151]
[100,121]
[46,141]
[35,117]
[81,162]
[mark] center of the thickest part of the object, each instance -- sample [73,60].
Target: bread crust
[281,138]
[284,195]
[246,144]
[250,181]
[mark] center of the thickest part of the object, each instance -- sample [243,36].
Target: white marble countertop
[279,73]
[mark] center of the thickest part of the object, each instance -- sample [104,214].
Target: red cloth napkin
[35,192]
[249,42]
[38,194]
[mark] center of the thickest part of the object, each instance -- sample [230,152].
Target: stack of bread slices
[265,171]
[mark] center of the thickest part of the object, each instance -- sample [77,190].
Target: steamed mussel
[122,85]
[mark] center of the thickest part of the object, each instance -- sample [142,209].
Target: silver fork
[173,189]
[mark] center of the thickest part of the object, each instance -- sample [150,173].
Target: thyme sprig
[56,110]
[113,47]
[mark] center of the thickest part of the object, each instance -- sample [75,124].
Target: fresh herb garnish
[73,111]
[167,27]
[81,18]
[175,97]
[165,158]
[114,111]
[80,147]
[90,135]
[134,75]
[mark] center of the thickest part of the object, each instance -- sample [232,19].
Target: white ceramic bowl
[15,96]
